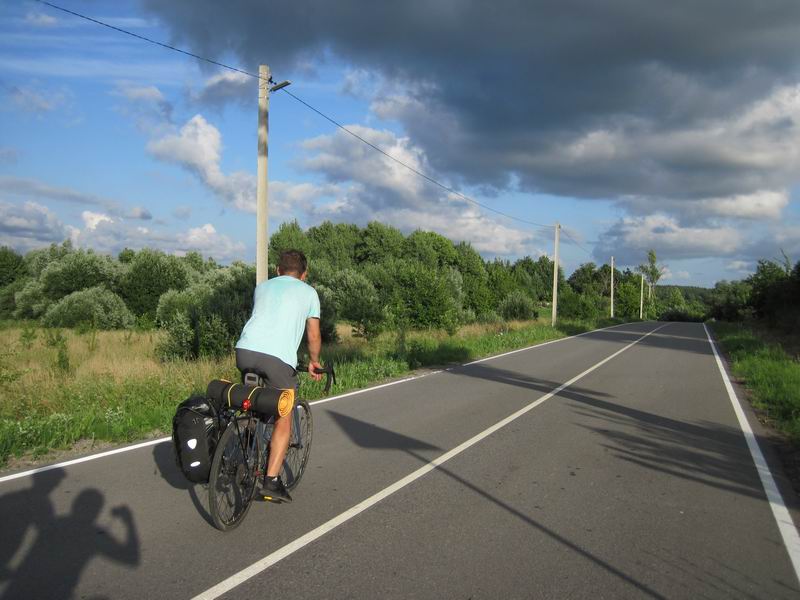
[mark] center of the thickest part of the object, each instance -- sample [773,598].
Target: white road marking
[791,538]
[321,401]
[269,560]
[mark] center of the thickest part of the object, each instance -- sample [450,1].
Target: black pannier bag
[195,432]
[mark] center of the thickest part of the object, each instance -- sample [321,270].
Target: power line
[307,105]
[576,242]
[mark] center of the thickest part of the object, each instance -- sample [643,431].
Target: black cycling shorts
[271,368]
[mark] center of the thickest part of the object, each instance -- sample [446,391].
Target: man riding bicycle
[284,307]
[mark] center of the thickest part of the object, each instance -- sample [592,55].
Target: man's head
[293,263]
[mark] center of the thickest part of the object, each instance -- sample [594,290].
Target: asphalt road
[633,481]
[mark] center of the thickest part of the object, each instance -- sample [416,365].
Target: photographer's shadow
[164,457]
[64,545]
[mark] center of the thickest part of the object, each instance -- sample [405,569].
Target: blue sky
[116,143]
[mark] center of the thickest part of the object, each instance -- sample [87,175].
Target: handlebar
[327,370]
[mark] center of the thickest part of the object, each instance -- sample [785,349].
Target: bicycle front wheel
[232,484]
[294,465]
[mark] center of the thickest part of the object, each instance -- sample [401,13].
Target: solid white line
[75,461]
[321,401]
[791,538]
[269,560]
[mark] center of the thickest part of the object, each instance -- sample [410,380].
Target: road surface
[632,480]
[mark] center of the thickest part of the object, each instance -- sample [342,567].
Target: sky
[672,126]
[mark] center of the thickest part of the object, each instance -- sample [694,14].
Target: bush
[730,301]
[79,271]
[12,266]
[423,298]
[30,301]
[96,306]
[8,304]
[329,314]
[518,306]
[358,303]
[149,275]
[577,306]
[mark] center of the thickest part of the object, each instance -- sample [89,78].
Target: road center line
[791,538]
[269,560]
[83,459]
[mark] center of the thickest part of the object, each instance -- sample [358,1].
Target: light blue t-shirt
[280,309]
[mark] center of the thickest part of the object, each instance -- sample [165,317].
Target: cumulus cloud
[197,147]
[112,236]
[146,106]
[37,19]
[226,87]
[631,237]
[363,185]
[677,111]
[29,225]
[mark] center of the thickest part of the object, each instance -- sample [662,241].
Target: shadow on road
[372,436]
[164,458]
[63,545]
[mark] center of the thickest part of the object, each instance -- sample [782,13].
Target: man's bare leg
[279,444]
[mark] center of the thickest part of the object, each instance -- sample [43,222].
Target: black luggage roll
[269,401]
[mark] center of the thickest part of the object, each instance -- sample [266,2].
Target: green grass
[116,390]
[769,373]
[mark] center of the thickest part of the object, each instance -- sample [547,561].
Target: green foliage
[378,242]
[730,301]
[475,279]
[334,243]
[769,373]
[423,298]
[581,307]
[329,314]
[288,237]
[12,266]
[97,307]
[626,304]
[37,260]
[518,306]
[501,281]
[431,249]
[150,274]
[207,318]
[77,271]
[358,302]
[8,304]
[31,302]
[27,336]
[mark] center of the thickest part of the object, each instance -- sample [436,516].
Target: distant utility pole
[262,206]
[265,86]
[555,277]
[612,287]
[641,299]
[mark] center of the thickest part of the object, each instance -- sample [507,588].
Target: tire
[296,461]
[232,484]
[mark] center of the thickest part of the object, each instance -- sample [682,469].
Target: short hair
[292,261]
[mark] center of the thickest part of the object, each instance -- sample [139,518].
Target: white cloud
[29,225]
[197,147]
[8,155]
[631,237]
[35,100]
[32,189]
[225,87]
[92,219]
[37,19]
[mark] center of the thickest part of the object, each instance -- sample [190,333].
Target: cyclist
[284,307]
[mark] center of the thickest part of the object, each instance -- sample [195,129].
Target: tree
[149,275]
[335,243]
[475,279]
[12,266]
[377,242]
[79,270]
[652,271]
[288,237]
[430,249]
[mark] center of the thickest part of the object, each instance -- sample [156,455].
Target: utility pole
[555,277]
[641,299]
[612,287]
[262,206]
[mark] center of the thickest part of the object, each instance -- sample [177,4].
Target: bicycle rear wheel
[296,460]
[232,484]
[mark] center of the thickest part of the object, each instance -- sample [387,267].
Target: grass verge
[60,387]
[770,374]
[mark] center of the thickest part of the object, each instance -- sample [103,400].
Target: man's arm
[314,347]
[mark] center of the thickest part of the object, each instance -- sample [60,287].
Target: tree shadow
[367,435]
[164,458]
[63,544]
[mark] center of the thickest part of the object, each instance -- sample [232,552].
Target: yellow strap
[230,389]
